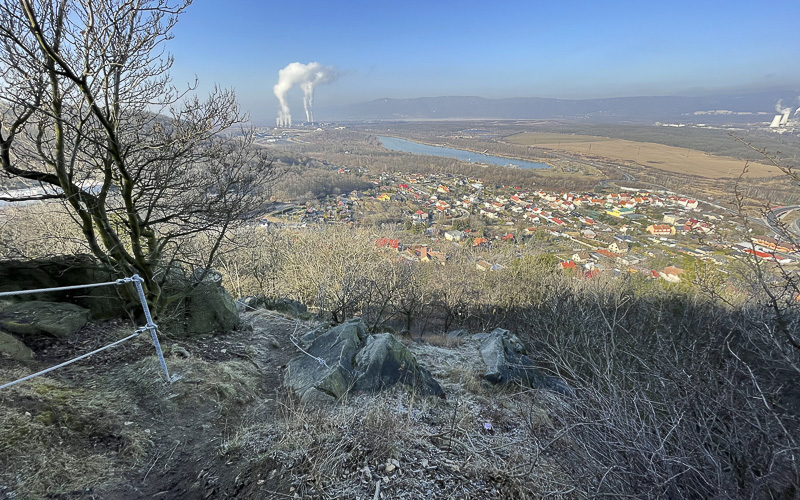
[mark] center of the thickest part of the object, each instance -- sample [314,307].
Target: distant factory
[784,119]
[781,120]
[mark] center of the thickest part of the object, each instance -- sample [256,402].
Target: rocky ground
[109,427]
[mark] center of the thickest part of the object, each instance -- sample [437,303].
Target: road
[772,220]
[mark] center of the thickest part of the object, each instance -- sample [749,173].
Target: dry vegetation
[658,156]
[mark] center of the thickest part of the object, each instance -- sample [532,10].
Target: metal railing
[150,326]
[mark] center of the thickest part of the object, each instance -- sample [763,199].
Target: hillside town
[653,233]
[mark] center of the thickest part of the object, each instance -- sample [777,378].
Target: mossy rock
[12,347]
[206,307]
[68,270]
[355,362]
[36,317]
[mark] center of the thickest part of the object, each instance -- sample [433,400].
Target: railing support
[152,327]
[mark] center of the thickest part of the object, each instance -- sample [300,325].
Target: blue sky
[563,49]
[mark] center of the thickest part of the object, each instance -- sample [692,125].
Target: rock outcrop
[209,308]
[13,348]
[355,361]
[68,270]
[507,362]
[35,317]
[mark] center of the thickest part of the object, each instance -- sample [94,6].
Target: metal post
[151,326]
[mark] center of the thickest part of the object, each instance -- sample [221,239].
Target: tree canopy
[89,116]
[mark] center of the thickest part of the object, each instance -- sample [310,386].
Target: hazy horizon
[514,49]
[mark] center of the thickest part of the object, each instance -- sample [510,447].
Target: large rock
[507,362]
[70,270]
[35,317]
[12,347]
[355,362]
[209,308]
[385,361]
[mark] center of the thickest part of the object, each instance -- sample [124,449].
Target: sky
[563,49]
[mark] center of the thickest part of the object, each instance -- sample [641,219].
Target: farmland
[667,158]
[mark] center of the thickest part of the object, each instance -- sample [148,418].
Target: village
[654,233]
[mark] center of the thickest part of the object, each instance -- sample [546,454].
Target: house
[671,274]
[776,245]
[454,235]
[581,257]
[661,230]
[421,251]
[619,247]
[388,243]
[670,218]
[482,265]
[480,241]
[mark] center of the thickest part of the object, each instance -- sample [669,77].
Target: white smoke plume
[307,77]
[780,109]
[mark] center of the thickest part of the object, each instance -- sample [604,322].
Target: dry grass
[83,432]
[60,437]
[417,448]
[658,156]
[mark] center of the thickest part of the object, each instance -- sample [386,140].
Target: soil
[183,460]
[227,429]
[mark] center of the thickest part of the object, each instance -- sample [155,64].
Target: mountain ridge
[761,107]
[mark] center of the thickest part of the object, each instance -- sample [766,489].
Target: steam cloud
[780,109]
[307,77]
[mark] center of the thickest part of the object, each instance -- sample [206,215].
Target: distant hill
[620,109]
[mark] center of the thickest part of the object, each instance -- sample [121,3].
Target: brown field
[659,156]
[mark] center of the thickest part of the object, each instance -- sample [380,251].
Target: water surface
[407,146]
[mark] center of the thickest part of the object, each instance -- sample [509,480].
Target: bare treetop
[89,113]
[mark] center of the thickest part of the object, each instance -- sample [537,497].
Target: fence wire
[150,326]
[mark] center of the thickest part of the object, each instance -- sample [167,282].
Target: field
[666,158]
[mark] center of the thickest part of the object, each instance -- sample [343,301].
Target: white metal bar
[65,363]
[151,326]
[61,288]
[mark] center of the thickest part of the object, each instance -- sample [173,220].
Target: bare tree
[89,115]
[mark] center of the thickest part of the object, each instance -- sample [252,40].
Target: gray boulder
[70,270]
[13,348]
[507,362]
[209,308]
[35,317]
[355,362]
[385,361]
[312,380]
[456,334]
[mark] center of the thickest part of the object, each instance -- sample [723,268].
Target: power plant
[784,118]
[307,77]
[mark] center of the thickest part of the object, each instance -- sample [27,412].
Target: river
[407,146]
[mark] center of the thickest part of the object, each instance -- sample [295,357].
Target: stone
[355,362]
[287,306]
[35,317]
[455,334]
[311,380]
[507,362]
[13,348]
[385,361]
[208,307]
[104,302]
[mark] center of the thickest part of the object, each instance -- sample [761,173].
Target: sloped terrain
[108,427]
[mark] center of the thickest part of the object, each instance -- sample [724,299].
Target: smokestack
[785,118]
[307,76]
